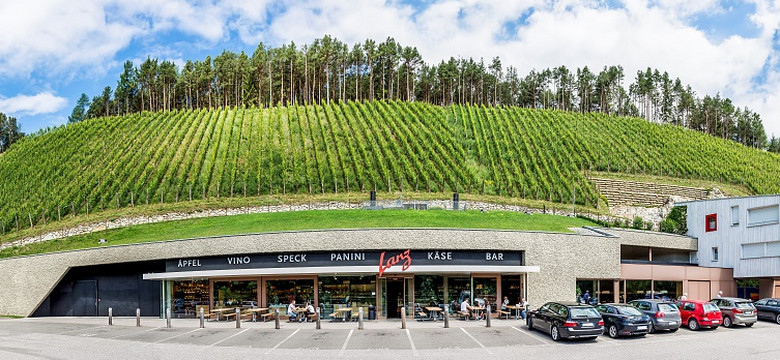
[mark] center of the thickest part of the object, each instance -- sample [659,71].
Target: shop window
[348,291]
[429,290]
[485,290]
[711,222]
[714,253]
[458,289]
[279,293]
[667,290]
[636,289]
[235,294]
[189,297]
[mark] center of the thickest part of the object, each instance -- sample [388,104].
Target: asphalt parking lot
[92,338]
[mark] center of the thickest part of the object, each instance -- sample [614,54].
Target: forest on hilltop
[329,69]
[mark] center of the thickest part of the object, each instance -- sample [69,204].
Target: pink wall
[701,283]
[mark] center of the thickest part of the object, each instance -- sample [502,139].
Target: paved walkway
[93,338]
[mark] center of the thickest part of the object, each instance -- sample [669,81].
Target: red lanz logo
[384,265]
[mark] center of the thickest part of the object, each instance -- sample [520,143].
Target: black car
[563,320]
[623,320]
[768,309]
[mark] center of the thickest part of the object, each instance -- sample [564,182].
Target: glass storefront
[484,289]
[347,291]
[235,293]
[429,290]
[513,288]
[636,289]
[279,293]
[458,288]
[667,290]
[189,297]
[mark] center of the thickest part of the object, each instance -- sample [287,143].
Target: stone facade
[562,258]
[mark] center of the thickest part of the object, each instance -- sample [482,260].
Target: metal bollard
[360,318]
[446,316]
[110,316]
[168,317]
[202,319]
[403,317]
[138,317]
[318,318]
[276,318]
[487,316]
[238,318]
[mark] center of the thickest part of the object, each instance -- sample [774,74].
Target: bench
[228,315]
[267,316]
[463,315]
[311,317]
[502,312]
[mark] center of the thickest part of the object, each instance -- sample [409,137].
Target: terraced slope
[396,146]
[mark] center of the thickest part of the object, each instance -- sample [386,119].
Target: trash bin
[371,312]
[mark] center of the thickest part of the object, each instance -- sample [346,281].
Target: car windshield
[627,310]
[664,307]
[709,307]
[583,312]
[745,305]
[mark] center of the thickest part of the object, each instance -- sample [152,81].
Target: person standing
[586,297]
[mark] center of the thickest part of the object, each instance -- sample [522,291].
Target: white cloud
[42,36]
[41,103]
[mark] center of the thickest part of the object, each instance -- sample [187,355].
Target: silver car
[663,315]
[736,311]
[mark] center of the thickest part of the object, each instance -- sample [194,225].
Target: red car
[697,314]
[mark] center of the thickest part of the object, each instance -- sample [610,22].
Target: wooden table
[476,310]
[220,311]
[432,311]
[343,312]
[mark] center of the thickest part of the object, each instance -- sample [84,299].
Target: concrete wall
[562,258]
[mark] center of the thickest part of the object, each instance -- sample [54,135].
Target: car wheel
[749,324]
[693,324]
[777,319]
[612,331]
[727,321]
[555,334]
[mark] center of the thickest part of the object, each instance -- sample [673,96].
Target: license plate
[673,323]
[641,327]
[748,313]
[586,325]
[715,321]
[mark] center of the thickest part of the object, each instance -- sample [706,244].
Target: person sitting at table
[505,303]
[524,305]
[310,310]
[464,307]
[291,310]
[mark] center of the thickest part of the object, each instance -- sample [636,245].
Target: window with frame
[735,216]
[714,253]
[711,222]
[766,215]
[752,250]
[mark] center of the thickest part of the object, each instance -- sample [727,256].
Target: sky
[51,51]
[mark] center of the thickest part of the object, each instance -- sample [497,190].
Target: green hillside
[176,156]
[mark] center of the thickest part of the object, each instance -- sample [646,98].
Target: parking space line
[530,335]
[133,333]
[177,335]
[344,347]
[90,328]
[282,342]
[477,341]
[231,336]
[414,348]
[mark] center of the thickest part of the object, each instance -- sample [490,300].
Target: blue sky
[53,50]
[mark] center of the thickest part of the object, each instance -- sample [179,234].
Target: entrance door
[85,298]
[395,297]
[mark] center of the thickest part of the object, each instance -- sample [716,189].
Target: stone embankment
[138,220]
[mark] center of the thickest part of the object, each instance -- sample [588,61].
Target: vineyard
[178,156]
